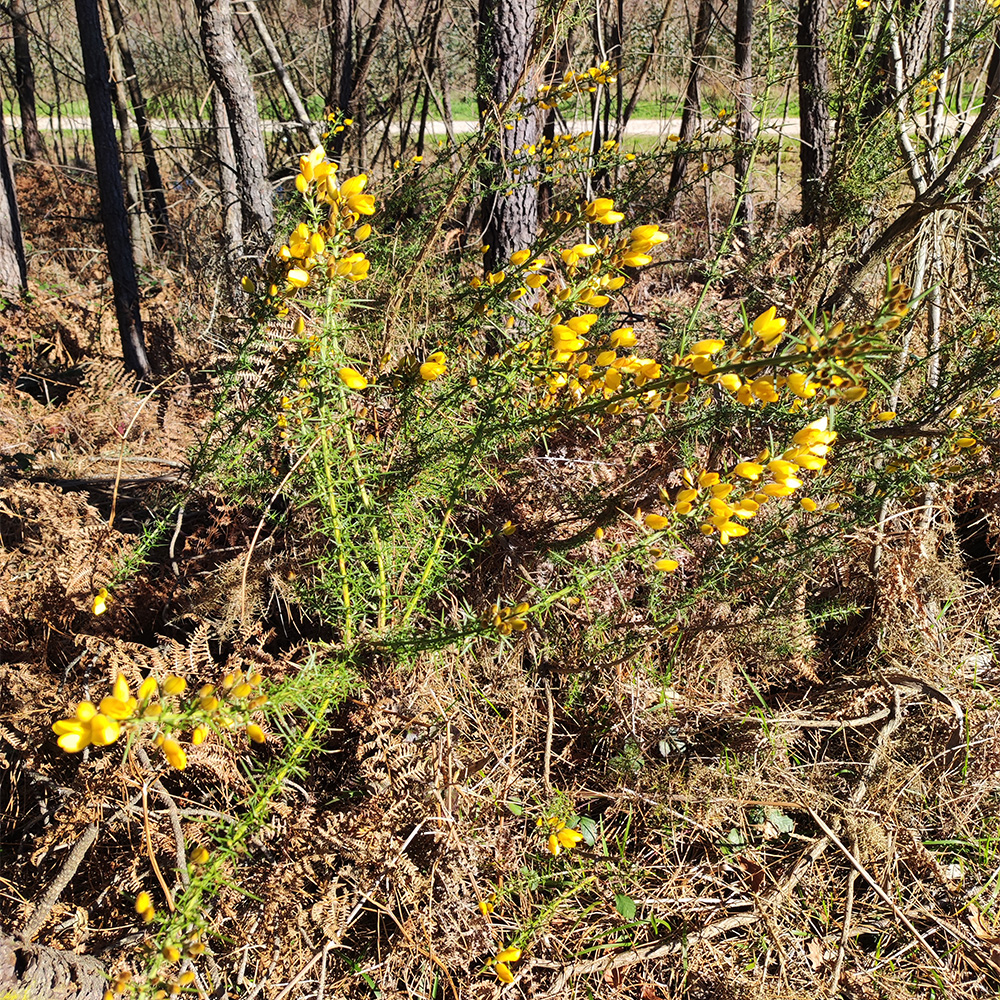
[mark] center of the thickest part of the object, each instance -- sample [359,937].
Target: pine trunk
[13,268]
[109,182]
[816,152]
[510,204]
[24,82]
[691,117]
[745,125]
[230,76]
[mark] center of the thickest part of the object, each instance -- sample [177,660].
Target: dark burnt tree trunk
[816,151]
[691,117]
[229,73]
[510,202]
[13,268]
[155,192]
[745,124]
[24,82]
[109,182]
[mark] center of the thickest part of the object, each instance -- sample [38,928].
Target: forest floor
[783,801]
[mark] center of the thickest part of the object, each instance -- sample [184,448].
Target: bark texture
[281,72]
[13,268]
[109,183]
[138,224]
[341,33]
[510,204]
[816,150]
[230,76]
[232,226]
[24,82]
[746,127]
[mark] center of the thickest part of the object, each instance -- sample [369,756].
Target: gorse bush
[393,460]
[402,473]
[431,497]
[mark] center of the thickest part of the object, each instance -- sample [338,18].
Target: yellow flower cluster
[602,211]
[572,367]
[99,727]
[328,247]
[924,90]
[831,376]
[564,150]
[507,620]
[572,84]
[502,961]
[708,493]
[102,725]
[179,946]
[560,836]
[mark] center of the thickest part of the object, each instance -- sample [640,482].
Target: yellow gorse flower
[118,711]
[501,963]
[353,379]
[560,837]
[101,600]
[434,367]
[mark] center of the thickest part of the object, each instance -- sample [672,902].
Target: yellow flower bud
[353,379]
[174,685]
[101,599]
[174,754]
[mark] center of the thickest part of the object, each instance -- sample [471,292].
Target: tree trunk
[916,20]
[232,230]
[13,268]
[341,34]
[155,191]
[691,117]
[510,204]
[355,107]
[230,76]
[109,182]
[745,124]
[24,82]
[815,149]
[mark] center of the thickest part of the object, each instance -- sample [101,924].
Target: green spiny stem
[383,587]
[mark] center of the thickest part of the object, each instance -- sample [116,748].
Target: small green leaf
[781,822]
[589,830]
[736,838]
[625,905]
